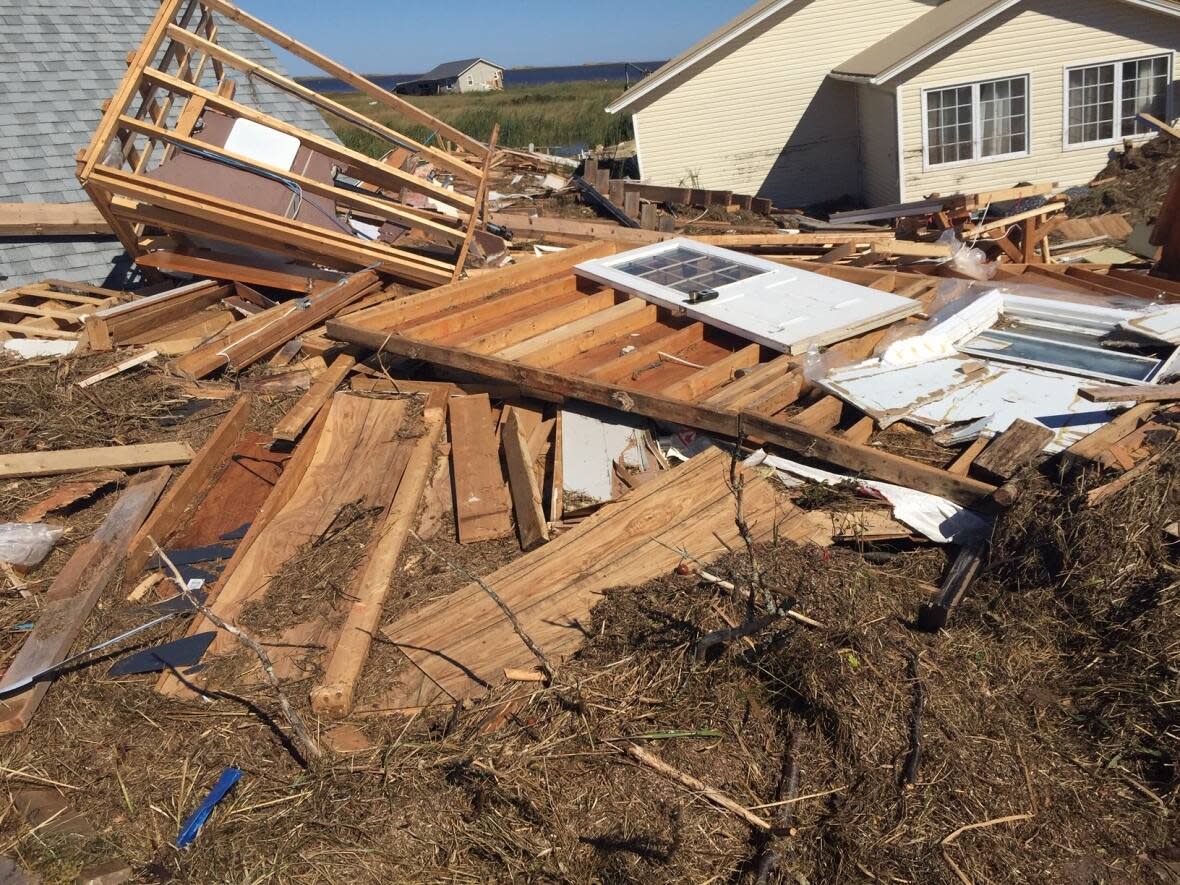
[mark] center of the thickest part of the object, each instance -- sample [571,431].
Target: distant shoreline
[529,76]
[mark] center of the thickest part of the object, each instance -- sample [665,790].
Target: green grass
[553,115]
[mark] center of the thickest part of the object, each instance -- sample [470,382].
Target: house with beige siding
[885,101]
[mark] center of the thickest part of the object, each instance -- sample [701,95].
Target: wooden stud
[526,495]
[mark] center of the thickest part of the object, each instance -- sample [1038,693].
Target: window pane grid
[1105,100]
[978,121]
[687,270]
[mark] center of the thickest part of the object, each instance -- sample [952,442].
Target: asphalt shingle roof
[59,60]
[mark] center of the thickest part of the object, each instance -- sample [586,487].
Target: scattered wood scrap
[462,643]
[79,460]
[71,597]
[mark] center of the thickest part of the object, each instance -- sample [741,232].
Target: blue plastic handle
[196,820]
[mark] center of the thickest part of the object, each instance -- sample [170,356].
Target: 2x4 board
[783,308]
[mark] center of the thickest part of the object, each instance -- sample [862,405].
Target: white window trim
[1118,95]
[976,128]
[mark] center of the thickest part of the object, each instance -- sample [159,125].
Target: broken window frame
[977,123]
[1119,119]
[1085,321]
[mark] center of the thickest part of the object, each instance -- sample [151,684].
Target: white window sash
[1117,110]
[977,123]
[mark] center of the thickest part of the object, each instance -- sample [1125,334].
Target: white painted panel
[262,144]
[1162,325]
[783,308]
[592,439]
[951,392]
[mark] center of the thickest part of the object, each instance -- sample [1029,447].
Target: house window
[979,121]
[1105,101]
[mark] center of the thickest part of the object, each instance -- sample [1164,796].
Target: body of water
[612,71]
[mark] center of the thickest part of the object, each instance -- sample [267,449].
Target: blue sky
[392,37]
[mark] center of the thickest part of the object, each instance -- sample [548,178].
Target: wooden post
[649,216]
[480,195]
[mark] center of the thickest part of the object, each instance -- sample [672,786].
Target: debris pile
[403,527]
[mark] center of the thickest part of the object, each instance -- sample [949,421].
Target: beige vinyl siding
[880,170]
[761,116]
[1040,38]
[482,75]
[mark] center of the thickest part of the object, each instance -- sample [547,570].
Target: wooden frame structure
[557,336]
[180,74]
[52,309]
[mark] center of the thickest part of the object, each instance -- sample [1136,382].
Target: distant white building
[468,75]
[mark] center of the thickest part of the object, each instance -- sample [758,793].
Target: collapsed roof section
[181,169]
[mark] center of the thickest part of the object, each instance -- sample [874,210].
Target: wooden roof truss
[180,73]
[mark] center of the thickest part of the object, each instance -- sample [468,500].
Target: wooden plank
[1159,124]
[72,596]
[873,462]
[522,482]
[281,493]
[481,194]
[540,322]
[1093,446]
[556,490]
[167,517]
[123,322]
[821,415]
[118,368]
[481,500]
[606,231]
[716,375]
[1140,393]
[215,264]
[334,696]
[756,379]
[962,465]
[335,477]
[626,364]
[292,424]
[464,637]
[572,339]
[107,458]
[1013,450]
[404,311]
[52,220]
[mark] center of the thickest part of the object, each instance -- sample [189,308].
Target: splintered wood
[462,643]
[353,457]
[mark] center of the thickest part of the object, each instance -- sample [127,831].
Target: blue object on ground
[196,820]
[182,652]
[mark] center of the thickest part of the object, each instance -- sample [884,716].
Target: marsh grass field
[559,114]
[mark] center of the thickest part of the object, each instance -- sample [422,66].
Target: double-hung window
[1104,101]
[977,121]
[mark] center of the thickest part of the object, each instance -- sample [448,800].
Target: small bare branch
[310,746]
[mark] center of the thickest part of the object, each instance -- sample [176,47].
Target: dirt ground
[1048,727]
